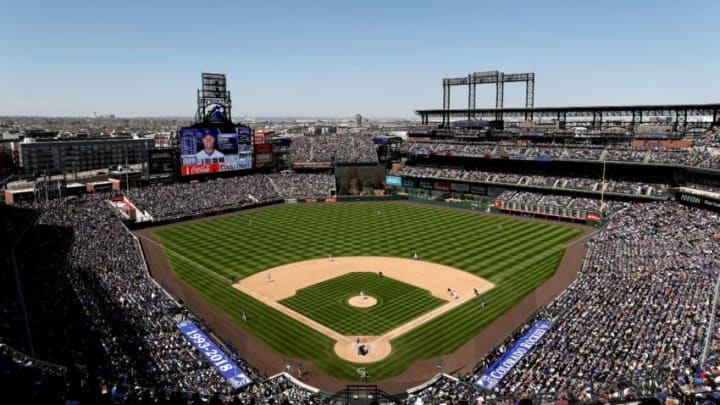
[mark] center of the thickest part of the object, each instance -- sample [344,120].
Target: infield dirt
[286,280]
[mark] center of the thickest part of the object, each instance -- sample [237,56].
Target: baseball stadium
[481,255]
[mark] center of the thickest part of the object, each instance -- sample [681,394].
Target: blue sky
[338,58]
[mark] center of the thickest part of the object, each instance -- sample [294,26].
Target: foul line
[582,238]
[193,262]
[293,314]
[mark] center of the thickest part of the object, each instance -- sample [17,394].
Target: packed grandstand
[638,321]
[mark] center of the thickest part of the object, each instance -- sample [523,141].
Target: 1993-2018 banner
[222,363]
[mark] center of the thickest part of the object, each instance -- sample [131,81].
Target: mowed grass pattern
[327,303]
[516,255]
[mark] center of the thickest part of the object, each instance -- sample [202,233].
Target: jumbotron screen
[215,150]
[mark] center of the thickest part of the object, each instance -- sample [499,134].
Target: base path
[284,281]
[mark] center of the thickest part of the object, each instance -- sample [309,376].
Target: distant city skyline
[337,59]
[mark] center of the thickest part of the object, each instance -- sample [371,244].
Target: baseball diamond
[227,260]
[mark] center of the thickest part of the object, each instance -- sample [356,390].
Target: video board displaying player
[213,150]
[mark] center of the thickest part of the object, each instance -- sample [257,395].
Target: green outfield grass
[397,303]
[517,256]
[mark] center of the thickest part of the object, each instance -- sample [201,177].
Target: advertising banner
[497,371]
[222,363]
[263,154]
[696,200]
[461,187]
[162,161]
[593,217]
[494,191]
[441,185]
[409,182]
[263,148]
[482,190]
[393,181]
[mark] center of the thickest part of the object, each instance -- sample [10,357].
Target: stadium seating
[638,312]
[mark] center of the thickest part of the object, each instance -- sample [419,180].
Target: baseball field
[302,275]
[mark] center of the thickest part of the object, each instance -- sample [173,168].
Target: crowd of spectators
[694,156]
[634,322]
[445,389]
[133,319]
[527,197]
[541,181]
[505,149]
[94,307]
[346,148]
[706,385]
[710,137]
[554,182]
[301,185]
[506,195]
[279,388]
[678,156]
[563,201]
[545,151]
[583,152]
[447,173]
[640,307]
[557,200]
[14,222]
[626,155]
[712,162]
[179,200]
[639,310]
[301,150]
[610,206]
[441,148]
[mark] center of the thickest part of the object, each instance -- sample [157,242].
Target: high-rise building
[358,120]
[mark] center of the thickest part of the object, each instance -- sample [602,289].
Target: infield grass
[397,303]
[516,255]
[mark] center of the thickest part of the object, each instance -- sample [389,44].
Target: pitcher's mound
[362,302]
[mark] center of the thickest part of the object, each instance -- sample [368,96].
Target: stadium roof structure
[679,112]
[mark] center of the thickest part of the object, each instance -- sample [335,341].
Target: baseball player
[209,154]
